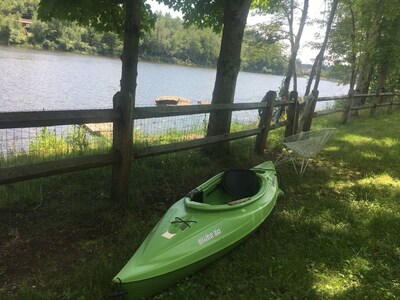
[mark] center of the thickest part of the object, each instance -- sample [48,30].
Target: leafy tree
[110,44]
[262,51]
[316,68]
[366,37]
[284,13]
[232,16]
[38,33]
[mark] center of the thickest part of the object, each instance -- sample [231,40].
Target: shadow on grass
[349,241]
[334,234]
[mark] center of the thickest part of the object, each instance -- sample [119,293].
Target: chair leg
[304,165]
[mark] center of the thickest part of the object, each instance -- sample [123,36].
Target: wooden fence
[295,122]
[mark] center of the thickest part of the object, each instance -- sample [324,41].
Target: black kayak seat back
[240,183]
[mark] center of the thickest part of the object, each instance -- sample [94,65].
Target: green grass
[334,234]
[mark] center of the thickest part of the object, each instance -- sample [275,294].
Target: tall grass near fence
[334,234]
[34,145]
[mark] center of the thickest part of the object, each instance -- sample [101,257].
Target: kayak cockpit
[228,190]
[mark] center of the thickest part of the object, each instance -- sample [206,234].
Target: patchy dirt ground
[42,238]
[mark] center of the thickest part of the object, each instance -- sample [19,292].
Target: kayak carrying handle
[179,220]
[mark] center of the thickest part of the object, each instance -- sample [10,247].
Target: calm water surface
[37,80]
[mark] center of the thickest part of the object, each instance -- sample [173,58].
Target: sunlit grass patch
[335,282]
[371,155]
[357,140]
[380,181]
[332,148]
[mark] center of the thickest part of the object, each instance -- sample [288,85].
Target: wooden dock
[99,129]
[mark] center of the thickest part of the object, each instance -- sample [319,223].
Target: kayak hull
[194,233]
[150,286]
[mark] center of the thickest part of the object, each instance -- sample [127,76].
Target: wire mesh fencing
[22,146]
[168,130]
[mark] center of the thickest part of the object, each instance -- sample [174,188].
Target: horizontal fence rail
[346,97]
[52,118]
[20,173]
[170,148]
[12,120]
[168,111]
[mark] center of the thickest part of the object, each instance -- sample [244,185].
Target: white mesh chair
[304,145]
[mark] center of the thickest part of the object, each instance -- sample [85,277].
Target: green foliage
[24,8]
[107,16]
[367,31]
[54,34]
[261,52]
[10,30]
[338,71]
[47,144]
[200,13]
[104,16]
[76,141]
[171,40]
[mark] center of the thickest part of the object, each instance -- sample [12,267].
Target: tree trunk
[291,69]
[320,57]
[235,16]
[367,69]
[364,78]
[124,101]
[353,51]
[312,74]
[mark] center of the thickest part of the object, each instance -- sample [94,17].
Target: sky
[306,54]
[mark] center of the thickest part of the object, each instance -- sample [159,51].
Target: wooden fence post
[122,146]
[292,121]
[390,107]
[265,121]
[306,119]
[347,107]
[376,100]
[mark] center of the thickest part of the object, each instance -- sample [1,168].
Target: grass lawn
[333,234]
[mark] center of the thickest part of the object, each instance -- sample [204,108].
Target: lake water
[37,80]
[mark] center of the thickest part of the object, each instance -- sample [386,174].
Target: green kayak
[200,227]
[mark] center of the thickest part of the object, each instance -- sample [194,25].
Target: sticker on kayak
[168,235]
[209,236]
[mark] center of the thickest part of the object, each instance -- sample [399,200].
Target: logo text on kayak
[209,236]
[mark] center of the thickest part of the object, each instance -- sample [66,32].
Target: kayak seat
[240,183]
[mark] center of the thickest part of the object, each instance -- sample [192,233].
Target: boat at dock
[172,100]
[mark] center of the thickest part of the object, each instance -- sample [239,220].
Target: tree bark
[295,44]
[353,51]
[320,57]
[124,102]
[235,16]
[367,69]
